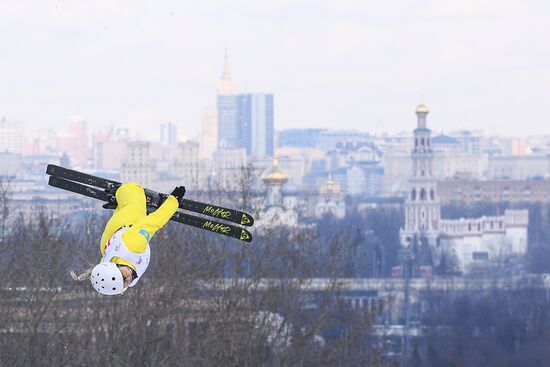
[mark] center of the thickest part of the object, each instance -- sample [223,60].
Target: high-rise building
[10,165]
[187,163]
[79,133]
[244,120]
[226,87]
[74,142]
[11,137]
[110,149]
[46,141]
[138,166]
[255,124]
[228,134]
[209,133]
[227,109]
[168,134]
[41,142]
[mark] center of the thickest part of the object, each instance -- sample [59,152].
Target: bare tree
[5,196]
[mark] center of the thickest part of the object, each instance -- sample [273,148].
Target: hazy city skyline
[354,65]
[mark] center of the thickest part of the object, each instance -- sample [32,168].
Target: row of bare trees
[204,301]
[495,328]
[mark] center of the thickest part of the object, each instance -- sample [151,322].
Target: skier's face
[126,274]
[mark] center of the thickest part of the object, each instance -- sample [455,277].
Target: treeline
[370,239]
[201,302]
[494,329]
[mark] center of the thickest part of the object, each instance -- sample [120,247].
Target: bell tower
[422,207]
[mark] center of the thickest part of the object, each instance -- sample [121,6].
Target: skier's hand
[178,193]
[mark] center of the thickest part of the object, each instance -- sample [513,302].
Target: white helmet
[107,279]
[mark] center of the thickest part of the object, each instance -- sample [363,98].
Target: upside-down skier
[124,244]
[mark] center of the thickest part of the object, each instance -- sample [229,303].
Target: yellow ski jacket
[132,212]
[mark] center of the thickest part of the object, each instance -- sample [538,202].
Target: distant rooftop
[444,139]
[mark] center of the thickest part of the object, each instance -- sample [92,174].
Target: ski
[230,215]
[77,188]
[198,222]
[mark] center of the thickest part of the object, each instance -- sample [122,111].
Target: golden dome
[422,108]
[274,176]
[330,187]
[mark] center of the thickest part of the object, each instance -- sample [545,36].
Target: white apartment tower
[187,163]
[138,166]
[169,134]
[11,137]
[209,133]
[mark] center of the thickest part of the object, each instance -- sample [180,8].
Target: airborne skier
[124,244]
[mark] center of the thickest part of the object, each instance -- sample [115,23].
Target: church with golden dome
[331,200]
[277,210]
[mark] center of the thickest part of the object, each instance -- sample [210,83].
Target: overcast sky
[358,64]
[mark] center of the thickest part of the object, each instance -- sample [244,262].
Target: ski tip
[245,235]
[246,220]
[50,169]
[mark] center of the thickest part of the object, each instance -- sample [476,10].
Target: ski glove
[178,192]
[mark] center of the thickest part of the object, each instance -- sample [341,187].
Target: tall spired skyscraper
[226,87]
[244,120]
[228,135]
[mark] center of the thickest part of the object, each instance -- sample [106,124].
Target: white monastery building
[470,242]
